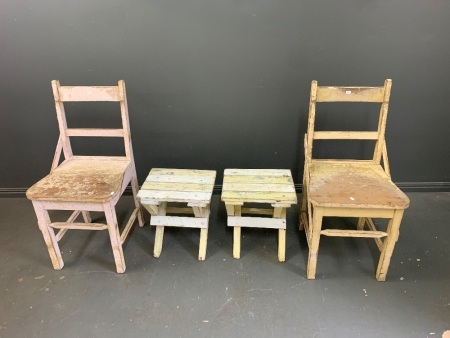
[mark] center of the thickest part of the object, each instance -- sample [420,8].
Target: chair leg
[388,245]
[49,235]
[86,216]
[301,227]
[315,229]
[303,208]
[135,189]
[361,223]
[114,236]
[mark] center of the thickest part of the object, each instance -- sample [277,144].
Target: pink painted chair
[86,183]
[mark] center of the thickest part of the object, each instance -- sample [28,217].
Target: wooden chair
[350,188]
[86,183]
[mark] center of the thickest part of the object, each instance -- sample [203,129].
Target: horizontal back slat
[345,135]
[262,172]
[350,94]
[343,161]
[94,132]
[80,93]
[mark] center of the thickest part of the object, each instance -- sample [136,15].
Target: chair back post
[62,122]
[311,120]
[380,143]
[125,121]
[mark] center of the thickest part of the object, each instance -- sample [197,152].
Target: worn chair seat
[81,180]
[353,186]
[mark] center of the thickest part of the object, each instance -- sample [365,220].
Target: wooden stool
[270,186]
[193,187]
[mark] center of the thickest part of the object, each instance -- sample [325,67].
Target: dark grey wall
[216,84]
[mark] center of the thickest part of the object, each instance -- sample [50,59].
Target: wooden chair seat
[91,181]
[353,186]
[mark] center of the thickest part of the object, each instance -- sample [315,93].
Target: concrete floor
[178,296]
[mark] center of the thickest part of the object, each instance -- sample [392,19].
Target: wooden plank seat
[350,187]
[88,180]
[353,185]
[86,183]
[194,188]
[265,186]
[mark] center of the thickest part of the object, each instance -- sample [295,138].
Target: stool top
[274,186]
[178,185]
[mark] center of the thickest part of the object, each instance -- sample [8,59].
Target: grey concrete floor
[256,296]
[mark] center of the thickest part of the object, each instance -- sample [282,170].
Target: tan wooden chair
[350,188]
[86,183]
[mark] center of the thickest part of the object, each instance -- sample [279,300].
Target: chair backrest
[349,94]
[91,94]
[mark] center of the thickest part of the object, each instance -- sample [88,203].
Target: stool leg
[202,212]
[202,246]
[235,210]
[159,233]
[237,235]
[237,242]
[281,245]
[279,212]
